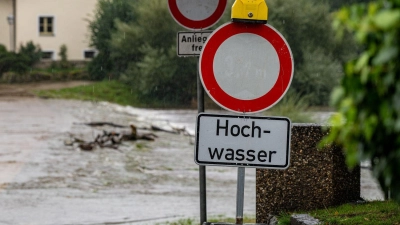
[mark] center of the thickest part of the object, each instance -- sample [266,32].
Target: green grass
[377,212]
[293,107]
[221,218]
[111,91]
[214,219]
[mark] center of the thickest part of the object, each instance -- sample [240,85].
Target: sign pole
[202,169]
[240,195]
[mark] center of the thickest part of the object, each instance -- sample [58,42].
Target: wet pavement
[43,181]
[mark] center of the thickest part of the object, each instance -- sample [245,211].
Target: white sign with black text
[191,43]
[243,141]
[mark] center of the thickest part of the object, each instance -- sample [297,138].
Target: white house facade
[50,24]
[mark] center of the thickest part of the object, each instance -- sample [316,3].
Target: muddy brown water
[43,181]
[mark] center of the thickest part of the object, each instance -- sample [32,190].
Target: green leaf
[337,95]
[362,61]
[387,19]
[385,55]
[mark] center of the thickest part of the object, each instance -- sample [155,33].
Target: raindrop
[283,21]
[101,68]
[124,35]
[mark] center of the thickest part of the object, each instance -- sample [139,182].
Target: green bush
[43,75]
[101,28]
[318,56]
[368,99]
[100,67]
[63,64]
[19,62]
[32,52]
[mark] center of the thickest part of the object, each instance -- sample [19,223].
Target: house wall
[70,25]
[5,10]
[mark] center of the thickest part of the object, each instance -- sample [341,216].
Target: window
[47,55]
[46,26]
[89,54]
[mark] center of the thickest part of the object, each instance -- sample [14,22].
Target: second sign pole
[240,195]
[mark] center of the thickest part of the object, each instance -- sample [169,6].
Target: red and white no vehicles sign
[197,14]
[246,68]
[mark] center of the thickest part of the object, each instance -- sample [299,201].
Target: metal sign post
[244,68]
[202,169]
[240,195]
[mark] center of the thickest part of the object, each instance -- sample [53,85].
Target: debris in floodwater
[112,139]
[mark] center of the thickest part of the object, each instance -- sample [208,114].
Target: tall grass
[294,107]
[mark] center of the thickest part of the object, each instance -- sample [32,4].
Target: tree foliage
[368,99]
[306,25]
[101,29]
[336,4]
[141,48]
[32,52]
[147,47]
[19,62]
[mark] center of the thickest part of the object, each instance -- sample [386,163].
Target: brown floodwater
[44,181]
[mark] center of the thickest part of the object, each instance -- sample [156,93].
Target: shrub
[31,52]
[368,99]
[64,64]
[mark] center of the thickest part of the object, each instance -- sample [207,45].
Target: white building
[48,23]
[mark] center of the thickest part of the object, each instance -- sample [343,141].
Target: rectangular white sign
[191,43]
[243,141]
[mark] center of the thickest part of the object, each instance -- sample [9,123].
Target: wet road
[44,182]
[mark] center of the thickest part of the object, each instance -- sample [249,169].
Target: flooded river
[44,181]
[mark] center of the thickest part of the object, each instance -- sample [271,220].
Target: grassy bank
[111,91]
[291,106]
[369,213]
[376,212]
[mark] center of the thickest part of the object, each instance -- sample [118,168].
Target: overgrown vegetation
[137,44]
[63,64]
[19,62]
[368,99]
[154,70]
[370,213]
[101,28]
[21,67]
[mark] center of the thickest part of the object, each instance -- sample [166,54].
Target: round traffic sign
[246,68]
[197,14]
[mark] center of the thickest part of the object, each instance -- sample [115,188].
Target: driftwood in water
[153,127]
[99,124]
[111,139]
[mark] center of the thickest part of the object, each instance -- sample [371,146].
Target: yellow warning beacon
[250,11]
